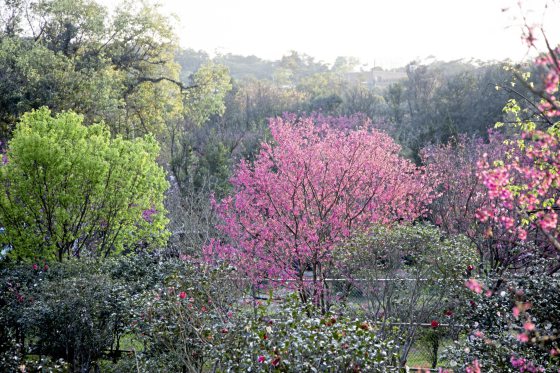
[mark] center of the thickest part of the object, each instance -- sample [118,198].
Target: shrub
[73,312]
[300,339]
[514,325]
[182,318]
[408,274]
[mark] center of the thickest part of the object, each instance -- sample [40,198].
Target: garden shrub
[299,338]
[513,325]
[409,274]
[72,312]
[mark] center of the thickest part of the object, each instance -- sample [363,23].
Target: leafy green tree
[214,169]
[344,65]
[71,190]
[210,84]
[74,55]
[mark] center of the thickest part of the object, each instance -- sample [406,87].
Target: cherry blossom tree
[453,169]
[524,199]
[319,180]
[526,184]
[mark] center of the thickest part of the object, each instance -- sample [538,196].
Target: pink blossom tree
[453,169]
[524,199]
[524,191]
[526,184]
[318,181]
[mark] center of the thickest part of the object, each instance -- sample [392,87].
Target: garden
[153,221]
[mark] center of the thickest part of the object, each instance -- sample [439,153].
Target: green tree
[209,87]
[75,55]
[72,190]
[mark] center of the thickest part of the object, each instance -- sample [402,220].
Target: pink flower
[434,324]
[261,359]
[548,222]
[523,338]
[516,312]
[474,368]
[551,82]
[474,285]
[529,326]
[182,295]
[275,362]
[529,37]
[517,362]
[35,267]
[482,215]
[507,222]
[45,267]
[147,214]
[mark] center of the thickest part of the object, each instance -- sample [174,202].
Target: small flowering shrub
[183,318]
[514,326]
[108,315]
[409,274]
[300,339]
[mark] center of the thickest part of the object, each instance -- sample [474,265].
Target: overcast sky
[388,33]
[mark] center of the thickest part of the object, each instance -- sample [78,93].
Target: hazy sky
[385,32]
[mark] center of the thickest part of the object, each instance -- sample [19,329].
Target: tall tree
[75,55]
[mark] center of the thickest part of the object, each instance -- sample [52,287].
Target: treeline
[417,105]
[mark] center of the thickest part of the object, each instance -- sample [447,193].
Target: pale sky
[388,33]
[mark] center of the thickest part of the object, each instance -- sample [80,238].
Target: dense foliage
[70,190]
[112,66]
[153,314]
[408,274]
[513,327]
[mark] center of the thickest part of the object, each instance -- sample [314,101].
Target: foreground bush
[72,312]
[86,313]
[514,324]
[300,339]
[205,326]
[422,272]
